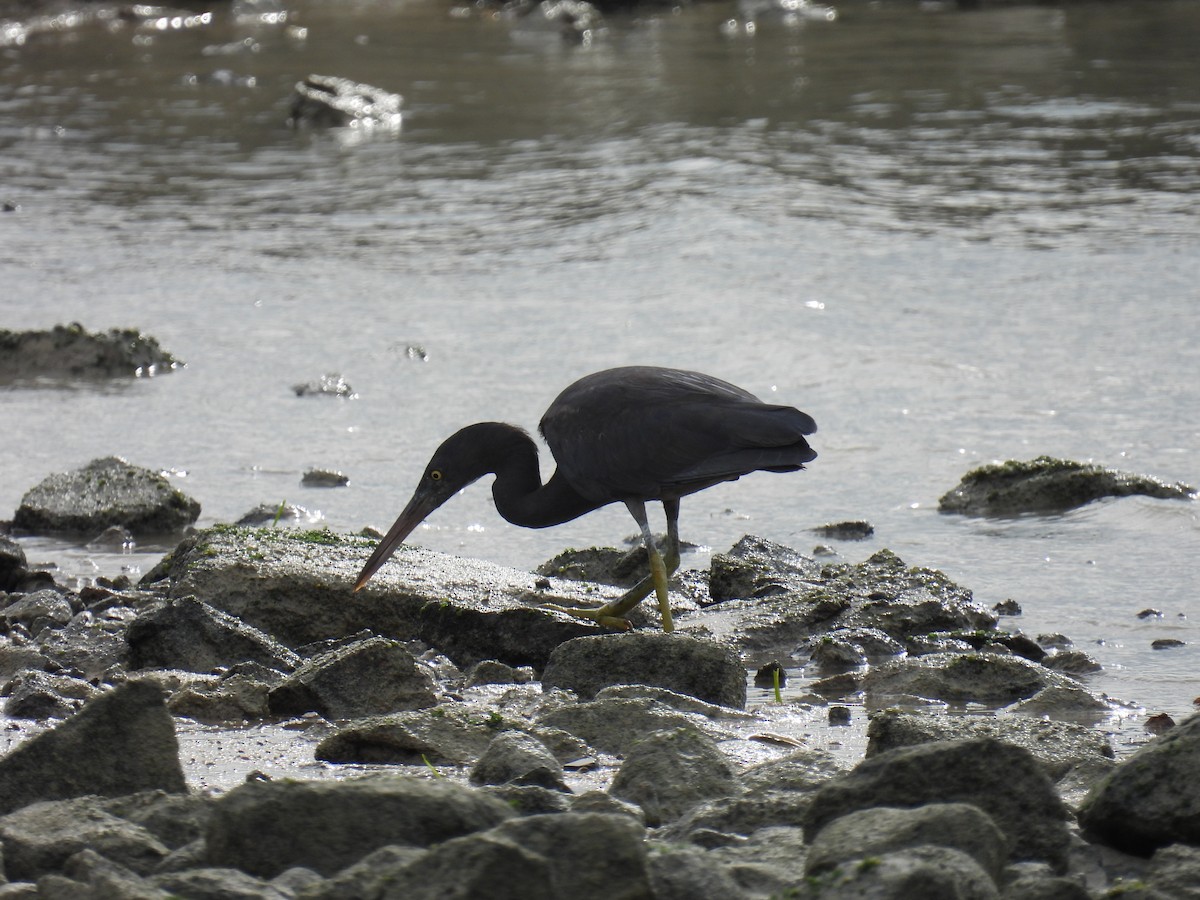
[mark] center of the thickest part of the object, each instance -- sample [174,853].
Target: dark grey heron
[630,435]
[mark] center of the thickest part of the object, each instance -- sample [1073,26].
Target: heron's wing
[647,433]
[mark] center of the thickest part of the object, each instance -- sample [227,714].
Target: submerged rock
[1049,485]
[104,493]
[72,352]
[329,101]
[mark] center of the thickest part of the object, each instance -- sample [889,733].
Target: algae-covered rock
[1049,485]
[104,493]
[72,352]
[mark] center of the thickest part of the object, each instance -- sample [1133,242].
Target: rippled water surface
[951,237]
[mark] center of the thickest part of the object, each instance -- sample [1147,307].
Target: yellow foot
[602,615]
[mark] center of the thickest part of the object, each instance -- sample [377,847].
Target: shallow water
[951,237]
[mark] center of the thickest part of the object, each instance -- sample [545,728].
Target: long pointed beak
[420,506]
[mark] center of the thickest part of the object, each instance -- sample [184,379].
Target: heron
[630,435]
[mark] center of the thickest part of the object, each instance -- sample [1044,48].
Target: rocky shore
[514,751]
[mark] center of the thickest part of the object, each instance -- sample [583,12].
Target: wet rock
[1057,746]
[174,819]
[768,863]
[362,679]
[1072,662]
[1064,703]
[120,743]
[187,634]
[444,735]
[491,671]
[846,531]
[265,827]
[847,648]
[38,610]
[324,478]
[103,493]
[232,698]
[667,773]
[680,872]
[13,567]
[704,669]
[960,678]
[756,567]
[614,725]
[88,874]
[326,101]
[517,758]
[40,838]
[874,832]
[296,586]
[279,515]
[1151,799]
[1005,782]
[601,565]
[216,884]
[41,695]
[72,352]
[1174,872]
[1048,485]
[927,871]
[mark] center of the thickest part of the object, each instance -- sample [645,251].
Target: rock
[174,819]
[71,352]
[491,671]
[1004,781]
[875,832]
[324,478]
[1064,703]
[614,725]
[105,492]
[1151,799]
[40,695]
[601,565]
[846,531]
[926,871]
[279,515]
[704,669]
[92,875]
[584,856]
[40,838]
[768,863]
[296,586]
[514,757]
[329,101]
[667,773]
[444,735]
[331,384]
[190,635]
[1057,746]
[690,873]
[1048,485]
[13,567]
[1175,872]
[121,742]
[362,679]
[237,696]
[959,678]
[265,827]
[216,884]
[756,567]
[38,610]
[1071,662]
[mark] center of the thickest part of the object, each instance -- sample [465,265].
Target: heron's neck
[520,496]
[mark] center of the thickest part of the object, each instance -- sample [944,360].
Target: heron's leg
[612,615]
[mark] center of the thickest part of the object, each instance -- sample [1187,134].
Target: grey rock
[266,827]
[331,384]
[1175,872]
[584,856]
[690,873]
[39,609]
[1005,782]
[13,571]
[602,565]
[491,671]
[529,799]
[324,478]
[768,863]
[667,773]
[237,696]
[614,726]
[187,634]
[518,758]
[41,837]
[105,492]
[1152,799]
[72,352]
[40,695]
[1065,703]
[604,802]
[918,872]
[990,678]
[365,878]
[175,819]
[296,586]
[121,742]
[1057,746]
[1048,485]
[756,567]
[874,832]
[361,679]
[96,876]
[705,669]
[217,884]
[330,101]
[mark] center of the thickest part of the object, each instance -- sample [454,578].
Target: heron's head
[463,458]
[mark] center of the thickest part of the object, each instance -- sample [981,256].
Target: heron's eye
[435,475]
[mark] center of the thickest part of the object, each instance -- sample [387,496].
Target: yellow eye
[436,475]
